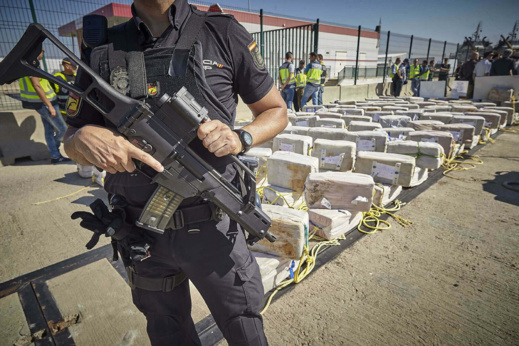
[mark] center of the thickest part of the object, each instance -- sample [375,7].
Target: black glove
[102,221]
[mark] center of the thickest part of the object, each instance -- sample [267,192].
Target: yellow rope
[372,223]
[450,164]
[72,194]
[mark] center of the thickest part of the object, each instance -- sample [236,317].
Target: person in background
[483,66]
[424,75]
[396,76]
[457,72]
[323,79]
[431,70]
[300,86]
[467,73]
[36,93]
[404,70]
[68,74]
[287,80]
[313,72]
[504,66]
[414,72]
[445,68]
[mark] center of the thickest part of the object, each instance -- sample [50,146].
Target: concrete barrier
[21,135]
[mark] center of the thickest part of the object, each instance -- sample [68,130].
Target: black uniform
[213,254]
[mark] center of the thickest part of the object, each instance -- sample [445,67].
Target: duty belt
[166,284]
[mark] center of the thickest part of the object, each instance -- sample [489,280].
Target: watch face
[247,138]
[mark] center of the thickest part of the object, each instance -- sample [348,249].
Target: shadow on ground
[502,193]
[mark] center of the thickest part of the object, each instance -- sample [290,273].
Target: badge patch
[256,55]
[73,105]
[153,89]
[119,80]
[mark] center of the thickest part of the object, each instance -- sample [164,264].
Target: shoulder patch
[256,55]
[73,105]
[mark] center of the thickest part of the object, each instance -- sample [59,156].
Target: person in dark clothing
[444,70]
[396,76]
[504,66]
[467,73]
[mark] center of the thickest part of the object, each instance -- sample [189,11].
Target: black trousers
[397,86]
[296,102]
[216,259]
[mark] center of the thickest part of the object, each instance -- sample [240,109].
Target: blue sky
[440,19]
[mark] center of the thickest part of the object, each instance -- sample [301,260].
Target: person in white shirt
[483,67]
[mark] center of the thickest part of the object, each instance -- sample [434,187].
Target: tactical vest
[285,73]
[62,93]
[148,75]
[300,79]
[414,71]
[425,76]
[28,95]
[391,75]
[314,73]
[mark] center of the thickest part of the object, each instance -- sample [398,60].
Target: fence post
[316,36]
[357,59]
[443,54]
[428,50]
[385,60]
[34,20]
[456,62]
[410,49]
[262,43]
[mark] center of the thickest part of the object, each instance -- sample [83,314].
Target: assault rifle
[164,134]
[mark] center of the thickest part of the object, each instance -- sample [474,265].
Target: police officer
[396,76]
[313,72]
[68,75]
[414,72]
[323,79]
[286,79]
[36,93]
[209,249]
[300,85]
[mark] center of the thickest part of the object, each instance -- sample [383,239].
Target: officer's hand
[219,139]
[109,150]
[52,111]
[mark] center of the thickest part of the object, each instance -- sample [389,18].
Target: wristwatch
[245,139]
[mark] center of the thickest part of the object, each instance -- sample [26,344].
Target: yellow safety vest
[284,73]
[300,80]
[28,94]
[323,78]
[314,73]
[391,75]
[414,71]
[61,93]
[425,76]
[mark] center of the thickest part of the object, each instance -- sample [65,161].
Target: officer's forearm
[41,94]
[70,148]
[270,117]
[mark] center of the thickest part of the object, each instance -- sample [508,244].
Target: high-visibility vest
[323,77]
[425,76]
[284,73]
[313,76]
[300,79]
[391,75]
[28,94]
[414,71]
[62,93]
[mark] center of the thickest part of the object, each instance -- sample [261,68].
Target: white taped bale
[296,130]
[312,108]
[304,120]
[503,113]
[292,143]
[444,138]
[465,108]
[329,115]
[289,170]
[473,120]
[85,171]
[363,126]
[410,106]
[370,108]
[375,115]
[424,104]
[492,120]
[291,229]
[484,104]
[347,111]
[394,108]
[346,102]
[273,269]
[461,133]
[304,114]
[261,156]
[385,194]
[386,168]
[331,224]
[327,133]
[427,155]
[349,118]
[439,108]
[509,111]
[346,106]
[443,117]
[339,190]
[397,133]
[334,155]
[330,123]
[368,140]
[394,120]
[420,176]
[277,195]
[423,125]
